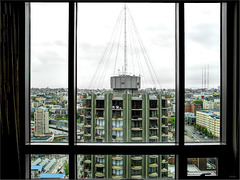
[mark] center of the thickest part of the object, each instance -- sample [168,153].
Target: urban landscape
[135,108]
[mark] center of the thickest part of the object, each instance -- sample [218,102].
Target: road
[190,130]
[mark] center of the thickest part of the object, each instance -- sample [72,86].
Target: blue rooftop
[205,111]
[37,167]
[53,175]
[216,116]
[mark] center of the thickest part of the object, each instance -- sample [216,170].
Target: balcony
[136,119]
[117,177]
[153,127]
[99,156]
[117,118]
[87,134]
[136,167]
[153,174]
[153,137]
[117,128]
[99,174]
[87,161]
[117,158]
[164,161]
[87,170]
[136,158]
[136,177]
[117,138]
[164,170]
[137,129]
[99,165]
[99,137]
[136,138]
[117,167]
[164,134]
[154,165]
[87,125]
[165,125]
[153,118]
[99,127]
[153,156]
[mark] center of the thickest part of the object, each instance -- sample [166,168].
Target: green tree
[66,168]
[205,131]
[198,102]
[54,102]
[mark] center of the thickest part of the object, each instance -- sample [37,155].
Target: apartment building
[125,118]
[123,166]
[211,105]
[41,122]
[209,120]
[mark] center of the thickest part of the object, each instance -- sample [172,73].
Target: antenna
[125,41]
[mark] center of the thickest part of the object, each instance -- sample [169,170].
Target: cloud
[205,34]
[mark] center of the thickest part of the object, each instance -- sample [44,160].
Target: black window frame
[229,102]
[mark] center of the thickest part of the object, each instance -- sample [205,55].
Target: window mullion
[180,85]
[72,65]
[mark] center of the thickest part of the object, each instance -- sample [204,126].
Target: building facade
[41,122]
[124,166]
[125,118]
[211,105]
[209,120]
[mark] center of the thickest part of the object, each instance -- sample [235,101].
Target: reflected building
[124,166]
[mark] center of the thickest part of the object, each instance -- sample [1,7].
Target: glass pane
[49,166]
[126,166]
[49,62]
[126,85]
[202,167]
[202,88]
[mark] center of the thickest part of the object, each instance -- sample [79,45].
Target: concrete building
[125,118]
[125,115]
[41,122]
[209,120]
[193,107]
[211,105]
[123,166]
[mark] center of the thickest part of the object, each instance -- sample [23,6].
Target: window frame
[179,148]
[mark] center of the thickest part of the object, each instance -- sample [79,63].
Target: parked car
[206,137]
[201,136]
[193,132]
[193,137]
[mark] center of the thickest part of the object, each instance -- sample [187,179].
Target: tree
[205,131]
[54,102]
[66,168]
[198,102]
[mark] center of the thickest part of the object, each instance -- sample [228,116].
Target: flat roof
[37,167]
[53,175]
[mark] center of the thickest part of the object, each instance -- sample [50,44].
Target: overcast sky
[96,22]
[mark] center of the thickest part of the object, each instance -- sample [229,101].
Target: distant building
[41,122]
[211,105]
[34,104]
[191,120]
[209,120]
[192,108]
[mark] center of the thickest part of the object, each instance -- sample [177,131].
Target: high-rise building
[111,117]
[125,115]
[41,122]
[124,166]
